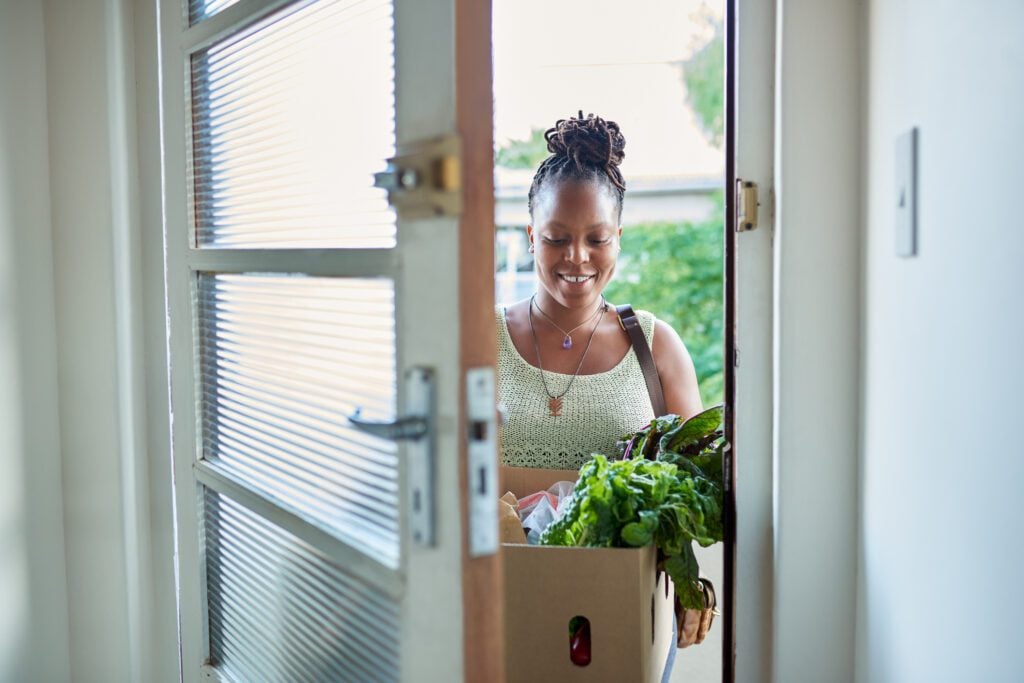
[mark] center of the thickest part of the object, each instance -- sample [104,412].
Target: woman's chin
[573,295]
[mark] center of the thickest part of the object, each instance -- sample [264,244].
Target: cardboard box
[629,606]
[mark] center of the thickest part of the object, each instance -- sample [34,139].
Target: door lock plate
[482,461]
[424,179]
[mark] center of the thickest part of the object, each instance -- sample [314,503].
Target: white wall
[94,206]
[818,150]
[86,580]
[33,586]
[943,473]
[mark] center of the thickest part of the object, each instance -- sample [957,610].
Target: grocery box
[628,604]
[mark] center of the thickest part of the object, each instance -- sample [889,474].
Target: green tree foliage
[674,270]
[526,153]
[704,76]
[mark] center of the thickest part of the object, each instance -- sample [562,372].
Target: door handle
[402,429]
[417,428]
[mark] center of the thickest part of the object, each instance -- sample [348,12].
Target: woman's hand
[693,624]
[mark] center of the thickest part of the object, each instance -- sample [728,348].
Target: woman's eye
[553,241]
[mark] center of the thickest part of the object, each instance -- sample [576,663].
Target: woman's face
[575,237]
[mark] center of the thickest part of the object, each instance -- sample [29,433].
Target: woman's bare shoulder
[676,370]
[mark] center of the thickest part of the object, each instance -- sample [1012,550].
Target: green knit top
[597,411]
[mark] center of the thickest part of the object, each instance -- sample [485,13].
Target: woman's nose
[577,253]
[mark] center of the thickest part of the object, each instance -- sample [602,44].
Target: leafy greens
[671,499]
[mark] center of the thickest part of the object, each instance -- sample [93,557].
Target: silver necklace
[567,336]
[555,402]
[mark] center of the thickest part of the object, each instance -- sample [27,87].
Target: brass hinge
[424,179]
[746,205]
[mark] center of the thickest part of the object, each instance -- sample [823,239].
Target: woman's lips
[576,279]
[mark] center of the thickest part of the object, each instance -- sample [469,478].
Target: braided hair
[583,149]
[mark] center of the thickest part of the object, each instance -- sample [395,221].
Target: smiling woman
[569,378]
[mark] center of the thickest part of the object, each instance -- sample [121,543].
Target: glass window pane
[279,610]
[291,118]
[204,9]
[284,361]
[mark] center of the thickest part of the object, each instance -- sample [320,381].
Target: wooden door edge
[482,578]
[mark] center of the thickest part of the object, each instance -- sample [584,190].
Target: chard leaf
[693,430]
[636,534]
[683,570]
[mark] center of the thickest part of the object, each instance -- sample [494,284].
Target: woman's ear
[529,236]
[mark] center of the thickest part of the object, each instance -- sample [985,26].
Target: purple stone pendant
[567,343]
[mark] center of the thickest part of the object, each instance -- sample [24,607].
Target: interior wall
[33,585]
[817,246]
[941,557]
[92,198]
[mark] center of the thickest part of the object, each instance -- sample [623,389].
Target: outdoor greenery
[674,270]
[704,76]
[526,153]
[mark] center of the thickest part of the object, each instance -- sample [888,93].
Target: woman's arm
[675,368]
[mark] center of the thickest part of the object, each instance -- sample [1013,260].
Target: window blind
[284,360]
[281,611]
[291,117]
[204,9]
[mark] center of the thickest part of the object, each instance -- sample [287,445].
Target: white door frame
[750,25]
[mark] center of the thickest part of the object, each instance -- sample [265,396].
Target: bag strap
[630,323]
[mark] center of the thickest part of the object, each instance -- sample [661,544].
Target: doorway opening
[657,69]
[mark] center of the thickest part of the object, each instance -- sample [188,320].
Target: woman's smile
[577,279]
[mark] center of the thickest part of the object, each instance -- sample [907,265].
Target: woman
[568,377]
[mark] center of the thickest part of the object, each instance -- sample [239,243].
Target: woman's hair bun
[589,141]
[585,149]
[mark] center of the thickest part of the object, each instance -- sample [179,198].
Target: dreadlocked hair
[583,149]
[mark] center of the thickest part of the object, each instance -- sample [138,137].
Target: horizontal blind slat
[204,9]
[281,611]
[308,90]
[284,360]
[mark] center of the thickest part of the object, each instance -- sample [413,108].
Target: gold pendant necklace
[556,402]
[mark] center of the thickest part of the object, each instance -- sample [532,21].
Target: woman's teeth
[576,278]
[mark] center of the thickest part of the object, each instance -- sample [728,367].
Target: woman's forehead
[559,225]
[570,203]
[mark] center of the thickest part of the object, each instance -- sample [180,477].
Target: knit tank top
[597,411]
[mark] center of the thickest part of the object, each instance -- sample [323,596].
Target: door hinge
[746,205]
[424,179]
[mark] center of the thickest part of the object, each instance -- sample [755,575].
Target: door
[319,338]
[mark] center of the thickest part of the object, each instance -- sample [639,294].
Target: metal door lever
[418,429]
[402,429]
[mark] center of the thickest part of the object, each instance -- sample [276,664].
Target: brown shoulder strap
[630,323]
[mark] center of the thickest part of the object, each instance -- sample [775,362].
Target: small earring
[531,248]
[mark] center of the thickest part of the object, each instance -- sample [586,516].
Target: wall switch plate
[906,193]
